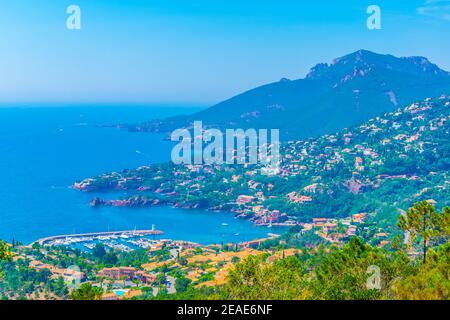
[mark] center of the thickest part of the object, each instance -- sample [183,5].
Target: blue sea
[43,150]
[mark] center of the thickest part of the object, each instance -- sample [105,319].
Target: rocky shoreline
[138,202]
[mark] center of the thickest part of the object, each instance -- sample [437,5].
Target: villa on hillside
[127,273]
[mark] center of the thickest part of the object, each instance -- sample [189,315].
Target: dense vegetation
[19,281]
[335,274]
[354,271]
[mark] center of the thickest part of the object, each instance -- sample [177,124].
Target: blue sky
[195,51]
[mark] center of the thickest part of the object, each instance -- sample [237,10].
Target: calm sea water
[44,150]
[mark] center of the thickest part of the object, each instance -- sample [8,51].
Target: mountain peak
[362,62]
[359,55]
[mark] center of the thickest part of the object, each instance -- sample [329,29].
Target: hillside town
[370,182]
[399,157]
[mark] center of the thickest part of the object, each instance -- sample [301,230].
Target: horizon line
[68,104]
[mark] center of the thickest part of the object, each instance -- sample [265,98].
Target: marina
[126,240]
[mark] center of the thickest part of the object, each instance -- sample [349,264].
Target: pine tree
[421,221]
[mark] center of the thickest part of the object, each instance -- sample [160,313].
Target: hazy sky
[196,51]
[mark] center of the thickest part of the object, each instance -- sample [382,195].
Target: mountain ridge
[350,90]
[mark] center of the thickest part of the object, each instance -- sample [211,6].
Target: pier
[136,233]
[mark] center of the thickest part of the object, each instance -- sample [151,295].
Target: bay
[43,150]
